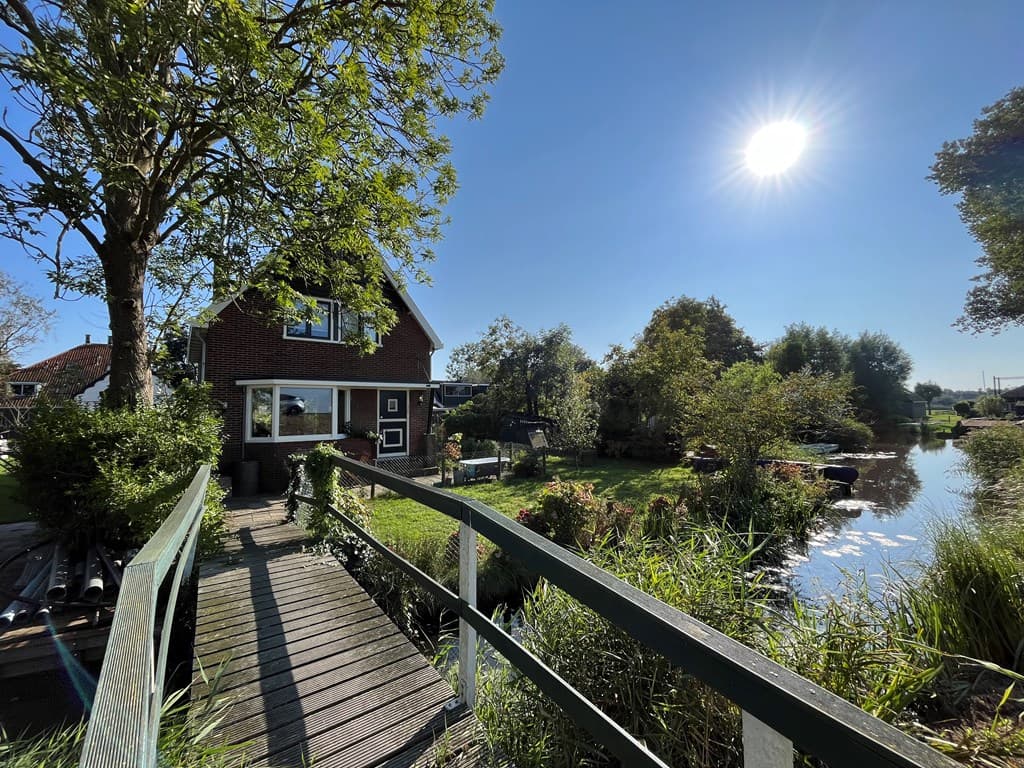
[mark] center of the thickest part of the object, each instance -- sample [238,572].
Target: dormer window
[24,389]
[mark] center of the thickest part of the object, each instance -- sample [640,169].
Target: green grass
[943,419]
[628,481]
[11,511]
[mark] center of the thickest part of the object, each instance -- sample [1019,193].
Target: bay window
[283,413]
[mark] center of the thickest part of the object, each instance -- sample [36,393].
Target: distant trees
[578,415]
[927,391]
[877,366]
[987,171]
[880,369]
[990,405]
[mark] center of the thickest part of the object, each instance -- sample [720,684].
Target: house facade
[286,388]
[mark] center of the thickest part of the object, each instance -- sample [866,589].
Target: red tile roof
[70,373]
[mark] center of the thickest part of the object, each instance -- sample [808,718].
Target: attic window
[23,389]
[336,324]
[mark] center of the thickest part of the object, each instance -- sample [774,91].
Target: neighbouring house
[82,373]
[1014,400]
[286,388]
[449,395]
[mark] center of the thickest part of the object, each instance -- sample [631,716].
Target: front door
[393,422]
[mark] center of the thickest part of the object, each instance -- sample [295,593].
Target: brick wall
[241,344]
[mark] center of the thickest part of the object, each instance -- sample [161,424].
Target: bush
[568,512]
[963,408]
[990,405]
[991,453]
[117,474]
[471,445]
[850,434]
[527,465]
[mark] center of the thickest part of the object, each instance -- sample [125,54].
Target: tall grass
[183,743]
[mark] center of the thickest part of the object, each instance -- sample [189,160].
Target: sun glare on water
[775,148]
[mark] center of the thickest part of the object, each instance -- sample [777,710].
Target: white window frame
[36,387]
[392,405]
[339,397]
[384,437]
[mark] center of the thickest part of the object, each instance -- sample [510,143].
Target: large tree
[183,147]
[528,372]
[23,320]
[927,391]
[819,350]
[987,171]
[724,341]
[880,369]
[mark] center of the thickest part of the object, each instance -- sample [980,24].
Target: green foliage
[528,372]
[527,465]
[683,721]
[723,342]
[963,408]
[473,420]
[646,392]
[972,596]
[183,741]
[117,474]
[265,139]
[880,368]
[472,445]
[985,170]
[567,513]
[818,350]
[992,453]
[577,415]
[327,492]
[990,405]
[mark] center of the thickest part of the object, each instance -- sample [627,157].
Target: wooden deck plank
[316,670]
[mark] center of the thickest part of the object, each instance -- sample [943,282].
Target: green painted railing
[125,720]
[781,709]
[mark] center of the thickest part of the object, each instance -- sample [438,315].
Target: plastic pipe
[92,584]
[57,589]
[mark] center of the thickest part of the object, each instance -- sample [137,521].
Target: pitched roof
[70,373]
[218,306]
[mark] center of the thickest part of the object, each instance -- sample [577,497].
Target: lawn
[623,480]
[11,511]
[943,419]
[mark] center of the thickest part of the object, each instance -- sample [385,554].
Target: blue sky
[607,175]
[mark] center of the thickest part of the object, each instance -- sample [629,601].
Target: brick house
[287,388]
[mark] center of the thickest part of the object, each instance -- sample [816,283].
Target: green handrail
[125,720]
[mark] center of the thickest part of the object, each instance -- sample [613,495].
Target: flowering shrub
[569,510]
[533,521]
[614,522]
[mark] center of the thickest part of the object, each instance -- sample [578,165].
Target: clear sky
[608,175]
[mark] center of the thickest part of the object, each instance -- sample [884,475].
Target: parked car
[292,405]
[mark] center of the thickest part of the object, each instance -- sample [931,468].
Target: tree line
[691,373]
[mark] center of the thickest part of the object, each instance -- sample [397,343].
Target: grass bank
[631,482]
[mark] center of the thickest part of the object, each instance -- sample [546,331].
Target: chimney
[88,339]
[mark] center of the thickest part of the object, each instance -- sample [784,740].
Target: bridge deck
[316,672]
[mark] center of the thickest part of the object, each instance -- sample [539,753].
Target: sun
[775,148]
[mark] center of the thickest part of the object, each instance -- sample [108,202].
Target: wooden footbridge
[319,676]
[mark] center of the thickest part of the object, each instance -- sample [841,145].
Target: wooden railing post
[764,747]
[467,594]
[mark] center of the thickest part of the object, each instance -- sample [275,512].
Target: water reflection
[901,491]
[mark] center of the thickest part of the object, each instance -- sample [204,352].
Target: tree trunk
[124,268]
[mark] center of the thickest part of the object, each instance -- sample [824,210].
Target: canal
[903,490]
